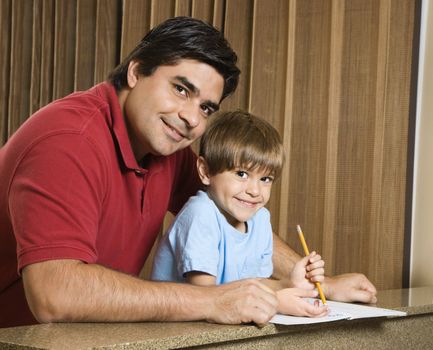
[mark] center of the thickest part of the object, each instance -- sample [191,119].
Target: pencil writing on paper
[307,252]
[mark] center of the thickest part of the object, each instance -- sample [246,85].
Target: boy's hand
[307,271]
[290,302]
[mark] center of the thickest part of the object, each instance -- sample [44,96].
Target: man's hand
[243,301]
[350,287]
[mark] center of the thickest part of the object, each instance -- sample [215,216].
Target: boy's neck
[241,226]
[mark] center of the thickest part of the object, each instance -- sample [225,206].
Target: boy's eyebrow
[196,91]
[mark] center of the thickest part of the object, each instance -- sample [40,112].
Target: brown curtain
[334,77]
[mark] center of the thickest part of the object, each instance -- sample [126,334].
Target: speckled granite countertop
[153,335]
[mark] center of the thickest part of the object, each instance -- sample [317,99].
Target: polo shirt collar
[118,127]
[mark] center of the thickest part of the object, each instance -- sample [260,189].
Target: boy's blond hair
[240,139]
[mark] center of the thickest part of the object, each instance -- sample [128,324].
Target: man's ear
[203,171]
[132,75]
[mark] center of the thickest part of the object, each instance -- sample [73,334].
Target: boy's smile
[238,193]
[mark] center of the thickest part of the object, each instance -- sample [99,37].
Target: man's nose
[190,114]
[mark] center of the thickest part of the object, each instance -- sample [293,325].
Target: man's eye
[242,174]
[180,89]
[206,110]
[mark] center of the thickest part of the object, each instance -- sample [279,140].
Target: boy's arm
[351,287]
[200,278]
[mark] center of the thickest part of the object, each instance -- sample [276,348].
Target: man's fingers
[368,286]
[266,288]
[364,296]
[243,302]
[263,302]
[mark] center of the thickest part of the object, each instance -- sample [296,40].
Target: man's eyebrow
[196,91]
[191,87]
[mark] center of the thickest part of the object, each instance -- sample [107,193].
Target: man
[86,181]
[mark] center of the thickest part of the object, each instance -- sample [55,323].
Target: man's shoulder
[75,110]
[86,113]
[80,116]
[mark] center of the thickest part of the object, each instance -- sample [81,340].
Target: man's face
[168,110]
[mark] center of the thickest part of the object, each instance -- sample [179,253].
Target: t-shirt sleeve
[55,200]
[194,238]
[266,267]
[187,181]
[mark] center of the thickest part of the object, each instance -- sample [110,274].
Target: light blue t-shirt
[201,239]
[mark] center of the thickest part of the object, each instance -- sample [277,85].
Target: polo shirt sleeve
[186,181]
[55,200]
[194,239]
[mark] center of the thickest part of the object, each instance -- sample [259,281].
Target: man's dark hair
[181,38]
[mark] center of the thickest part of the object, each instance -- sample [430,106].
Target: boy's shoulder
[263,213]
[199,203]
[199,200]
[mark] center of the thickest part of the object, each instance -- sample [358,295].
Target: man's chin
[167,151]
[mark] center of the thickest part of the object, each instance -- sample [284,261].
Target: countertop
[162,335]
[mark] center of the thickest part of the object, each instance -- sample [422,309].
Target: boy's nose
[253,188]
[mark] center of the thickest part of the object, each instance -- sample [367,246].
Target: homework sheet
[338,311]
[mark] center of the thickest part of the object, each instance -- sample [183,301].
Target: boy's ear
[203,171]
[132,75]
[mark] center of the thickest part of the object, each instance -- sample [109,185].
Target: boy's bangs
[250,158]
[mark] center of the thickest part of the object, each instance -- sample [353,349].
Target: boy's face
[238,193]
[168,110]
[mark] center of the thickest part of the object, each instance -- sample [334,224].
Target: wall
[422,243]
[334,77]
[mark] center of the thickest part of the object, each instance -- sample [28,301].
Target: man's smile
[173,132]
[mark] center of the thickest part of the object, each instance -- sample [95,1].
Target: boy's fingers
[319,278]
[319,273]
[315,265]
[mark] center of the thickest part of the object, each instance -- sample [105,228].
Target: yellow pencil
[307,252]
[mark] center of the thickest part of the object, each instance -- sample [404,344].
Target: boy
[225,234]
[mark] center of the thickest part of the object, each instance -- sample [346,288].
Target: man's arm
[70,290]
[351,287]
[284,258]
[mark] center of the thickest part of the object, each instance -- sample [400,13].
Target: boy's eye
[267,179]
[242,174]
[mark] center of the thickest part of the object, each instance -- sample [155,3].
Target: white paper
[339,311]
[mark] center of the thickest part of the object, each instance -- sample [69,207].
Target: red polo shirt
[70,188]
